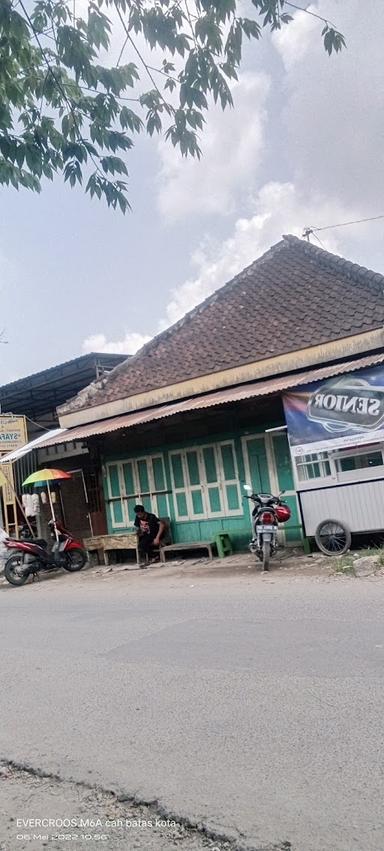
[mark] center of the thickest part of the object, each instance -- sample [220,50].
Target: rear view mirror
[247,488]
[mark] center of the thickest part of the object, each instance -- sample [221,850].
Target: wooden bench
[108,543]
[188,545]
[129,541]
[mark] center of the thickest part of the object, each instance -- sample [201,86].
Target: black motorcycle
[267,513]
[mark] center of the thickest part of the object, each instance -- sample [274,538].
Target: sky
[302,147]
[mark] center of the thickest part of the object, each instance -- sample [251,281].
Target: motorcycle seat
[40,542]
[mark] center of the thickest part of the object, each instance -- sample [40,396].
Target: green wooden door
[268,465]
[285,483]
[258,465]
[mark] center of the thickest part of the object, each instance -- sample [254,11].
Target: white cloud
[334,105]
[325,134]
[132,342]
[232,143]
[296,41]
[278,209]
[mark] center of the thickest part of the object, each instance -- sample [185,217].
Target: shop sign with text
[13,433]
[347,410]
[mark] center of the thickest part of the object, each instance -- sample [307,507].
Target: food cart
[336,437]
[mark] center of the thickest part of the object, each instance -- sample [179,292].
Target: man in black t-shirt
[150,530]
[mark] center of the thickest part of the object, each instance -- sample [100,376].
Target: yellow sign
[13,433]
[7,483]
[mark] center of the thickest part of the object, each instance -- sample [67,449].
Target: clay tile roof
[295,296]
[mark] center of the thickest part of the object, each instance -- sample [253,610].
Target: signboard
[13,433]
[7,484]
[347,410]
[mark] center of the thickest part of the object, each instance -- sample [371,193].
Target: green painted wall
[238,526]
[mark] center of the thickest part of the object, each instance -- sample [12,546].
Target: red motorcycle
[32,554]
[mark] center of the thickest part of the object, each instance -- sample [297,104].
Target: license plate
[265,528]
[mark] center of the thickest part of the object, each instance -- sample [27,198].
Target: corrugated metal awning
[265,387]
[33,444]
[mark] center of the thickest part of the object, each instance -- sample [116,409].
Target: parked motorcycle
[31,555]
[267,513]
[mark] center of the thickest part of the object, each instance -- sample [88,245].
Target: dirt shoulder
[241,567]
[40,811]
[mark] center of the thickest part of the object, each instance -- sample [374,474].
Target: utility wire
[308,231]
[356,222]
[44,428]
[319,241]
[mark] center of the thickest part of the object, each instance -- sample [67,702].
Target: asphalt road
[252,705]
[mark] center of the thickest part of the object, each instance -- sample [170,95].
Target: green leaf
[20,155]
[114,165]
[130,120]
[170,84]
[154,123]
[333,40]
[62,108]
[234,43]
[251,28]
[99,27]
[73,173]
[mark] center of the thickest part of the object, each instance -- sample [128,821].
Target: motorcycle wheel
[266,554]
[12,571]
[333,538]
[74,560]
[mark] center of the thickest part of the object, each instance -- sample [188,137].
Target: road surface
[249,706]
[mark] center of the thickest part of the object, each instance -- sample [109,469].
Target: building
[35,399]
[182,425]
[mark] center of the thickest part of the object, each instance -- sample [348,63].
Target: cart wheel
[333,538]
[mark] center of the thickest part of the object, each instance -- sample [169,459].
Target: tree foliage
[63,111]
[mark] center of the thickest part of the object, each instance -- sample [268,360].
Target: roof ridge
[199,308]
[328,258]
[288,240]
[201,342]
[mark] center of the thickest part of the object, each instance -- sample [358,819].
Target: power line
[356,222]
[319,241]
[44,428]
[308,231]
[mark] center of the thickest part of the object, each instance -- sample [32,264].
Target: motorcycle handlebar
[255,496]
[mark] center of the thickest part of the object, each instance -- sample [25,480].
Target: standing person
[150,530]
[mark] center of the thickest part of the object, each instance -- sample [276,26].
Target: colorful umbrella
[48,475]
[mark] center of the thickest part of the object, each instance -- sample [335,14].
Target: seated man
[150,530]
